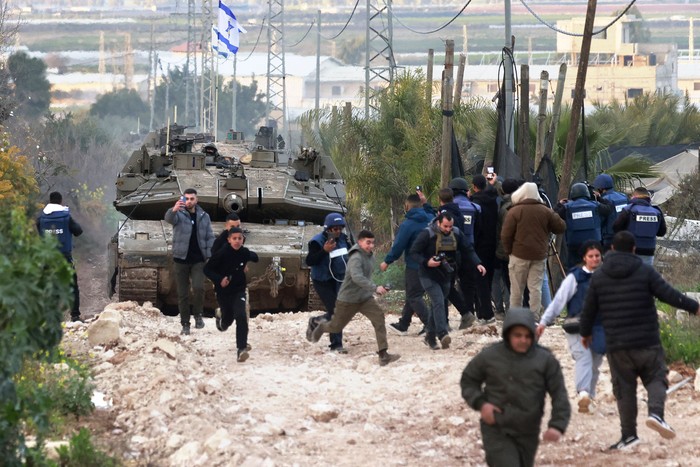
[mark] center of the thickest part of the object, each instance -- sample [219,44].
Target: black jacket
[622,291]
[423,249]
[487,237]
[229,262]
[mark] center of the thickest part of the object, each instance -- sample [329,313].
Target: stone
[323,412]
[168,347]
[103,332]
[696,384]
[188,455]
[111,314]
[674,377]
[218,441]
[51,448]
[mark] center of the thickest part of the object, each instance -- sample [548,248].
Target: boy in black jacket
[226,269]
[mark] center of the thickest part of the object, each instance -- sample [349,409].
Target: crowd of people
[483,249]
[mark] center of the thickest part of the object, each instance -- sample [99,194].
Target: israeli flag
[225,33]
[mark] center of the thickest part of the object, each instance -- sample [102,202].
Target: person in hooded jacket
[55,219]
[328,257]
[507,382]
[621,294]
[356,295]
[500,288]
[485,245]
[417,219]
[645,221]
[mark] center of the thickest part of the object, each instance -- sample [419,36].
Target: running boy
[226,269]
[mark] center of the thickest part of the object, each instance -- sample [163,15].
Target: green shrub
[82,453]
[680,340]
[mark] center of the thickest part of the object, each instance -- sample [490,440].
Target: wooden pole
[541,118]
[577,103]
[524,121]
[429,78]
[556,112]
[460,80]
[447,78]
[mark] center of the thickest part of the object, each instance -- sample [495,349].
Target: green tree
[352,51]
[32,90]
[121,103]
[250,109]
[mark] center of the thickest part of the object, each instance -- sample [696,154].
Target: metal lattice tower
[189,77]
[207,108]
[276,91]
[379,54]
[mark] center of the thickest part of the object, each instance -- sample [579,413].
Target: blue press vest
[619,201]
[58,224]
[583,280]
[470,211]
[321,271]
[644,224]
[582,222]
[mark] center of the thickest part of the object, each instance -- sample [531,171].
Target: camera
[444,264]
[419,188]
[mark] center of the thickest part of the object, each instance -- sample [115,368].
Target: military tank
[281,204]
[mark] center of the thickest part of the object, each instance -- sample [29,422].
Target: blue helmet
[333,220]
[603,182]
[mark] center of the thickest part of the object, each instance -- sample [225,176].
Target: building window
[492,87]
[634,92]
[336,90]
[696,86]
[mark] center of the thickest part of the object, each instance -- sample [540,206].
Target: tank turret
[281,202]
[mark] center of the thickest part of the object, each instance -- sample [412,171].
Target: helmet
[333,220]
[579,190]
[603,182]
[458,183]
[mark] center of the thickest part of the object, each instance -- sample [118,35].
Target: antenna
[379,53]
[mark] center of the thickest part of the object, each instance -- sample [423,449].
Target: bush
[82,453]
[680,340]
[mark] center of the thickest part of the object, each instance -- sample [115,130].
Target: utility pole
[508,73]
[541,118]
[446,161]
[429,78]
[577,104]
[317,101]
[151,78]
[208,85]
[459,83]
[128,62]
[379,54]
[234,96]
[556,111]
[187,75]
[101,57]
[276,89]
[524,121]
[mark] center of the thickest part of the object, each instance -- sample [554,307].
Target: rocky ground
[185,401]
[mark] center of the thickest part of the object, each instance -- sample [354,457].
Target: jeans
[500,287]
[345,311]
[546,291]
[586,366]
[75,310]
[233,308]
[328,293]
[625,366]
[437,318]
[506,449]
[647,259]
[414,300]
[185,274]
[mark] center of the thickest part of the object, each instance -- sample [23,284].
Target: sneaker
[398,329]
[658,424]
[467,320]
[248,347]
[242,355]
[198,322]
[584,402]
[310,328]
[340,350]
[76,319]
[499,316]
[318,330]
[217,318]
[385,358]
[445,341]
[431,342]
[625,443]
[422,331]
[486,322]
[185,330]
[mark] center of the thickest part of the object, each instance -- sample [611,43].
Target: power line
[305,34]
[257,41]
[567,33]
[346,23]
[398,20]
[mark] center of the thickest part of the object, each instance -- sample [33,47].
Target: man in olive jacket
[507,382]
[622,293]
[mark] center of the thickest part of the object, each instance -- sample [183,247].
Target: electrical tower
[379,54]
[276,91]
[188,76]
[207,109]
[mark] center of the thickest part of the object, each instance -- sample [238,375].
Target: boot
[318,330]
[385,357]
[185,330]
[467,320]
[198,322]
[431,341]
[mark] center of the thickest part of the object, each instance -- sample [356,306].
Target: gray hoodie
[357,286]
[182,230]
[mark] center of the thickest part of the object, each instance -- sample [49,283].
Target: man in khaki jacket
[525,237]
